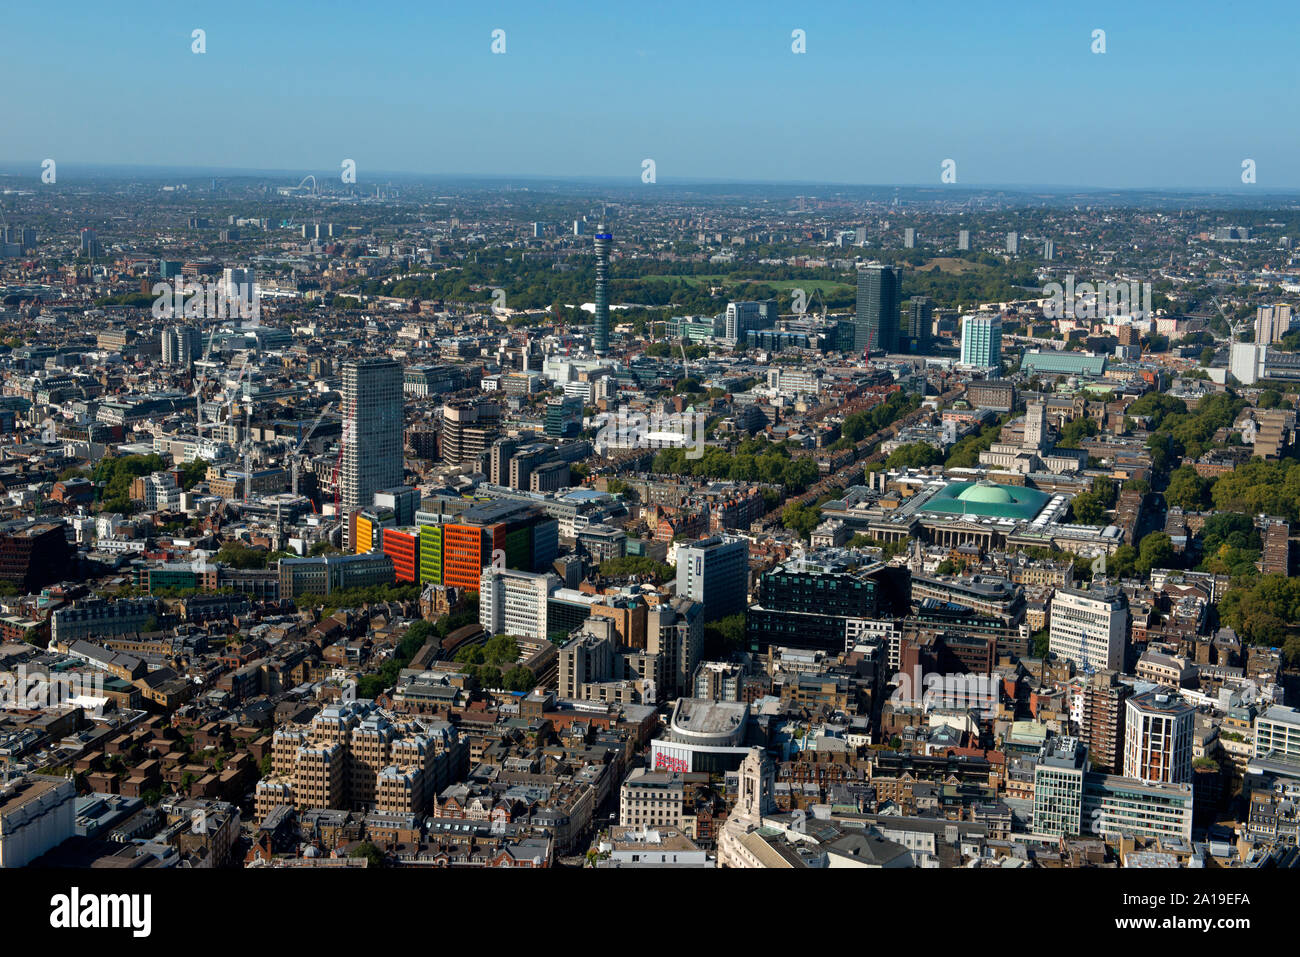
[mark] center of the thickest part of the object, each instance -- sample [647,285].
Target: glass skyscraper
[876,326]
[981,342]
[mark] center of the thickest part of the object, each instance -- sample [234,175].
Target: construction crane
[295,457]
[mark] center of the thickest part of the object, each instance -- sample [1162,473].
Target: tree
[801,518]
[193,472]
[1088,509]
[1264,611]
[1122,563]
[240,555]
[1155,551]
[1187,490]
[636,565]
[723,636]
[374,857]
[501,649]
[518,678]
[915,455]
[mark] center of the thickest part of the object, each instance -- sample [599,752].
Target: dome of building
[987,493]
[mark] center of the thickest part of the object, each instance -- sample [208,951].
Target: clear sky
[708,89]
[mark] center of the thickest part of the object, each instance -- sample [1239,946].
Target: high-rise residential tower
[981,342]
[920,321]
[876,327]
[1158,737]
[603,240]
[372,430]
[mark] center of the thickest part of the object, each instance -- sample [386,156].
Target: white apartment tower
[1158,738]
[372,430]
[1090,627]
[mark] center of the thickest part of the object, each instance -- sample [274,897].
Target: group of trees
[966,453]
[1180,432]
[1076,430]
[915,455]
[1260,487]
[485,664]
[804,517]
[724,636]
[755,460]
[858,425]
[641,565]
[360,597]
[1266,612]
[239,555]
[1090,507]
[116,474]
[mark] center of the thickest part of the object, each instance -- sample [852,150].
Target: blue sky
[710,90]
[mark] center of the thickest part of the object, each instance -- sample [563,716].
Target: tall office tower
[603,239]
[372,430]
[1049,250]
[981,342]
[514,602]
[920,320]
[860,235]
[502,451]
[1102,724]
[875,328]
[1271,324]
[715,572]
[579,227]
[1158,738]
[963,240]
[909,238]
[1013,243]
[537,230]
[181,345]
[741,317]
[468,429]
[1090,627]
[1035,426]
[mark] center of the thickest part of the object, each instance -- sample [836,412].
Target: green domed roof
[988,493]
[988,499]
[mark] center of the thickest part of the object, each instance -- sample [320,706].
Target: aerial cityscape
[637,519]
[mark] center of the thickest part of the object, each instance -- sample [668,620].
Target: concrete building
[514,602]
[1090,628]
[37,814]
[715,572]
[372,430]
[1277,730]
